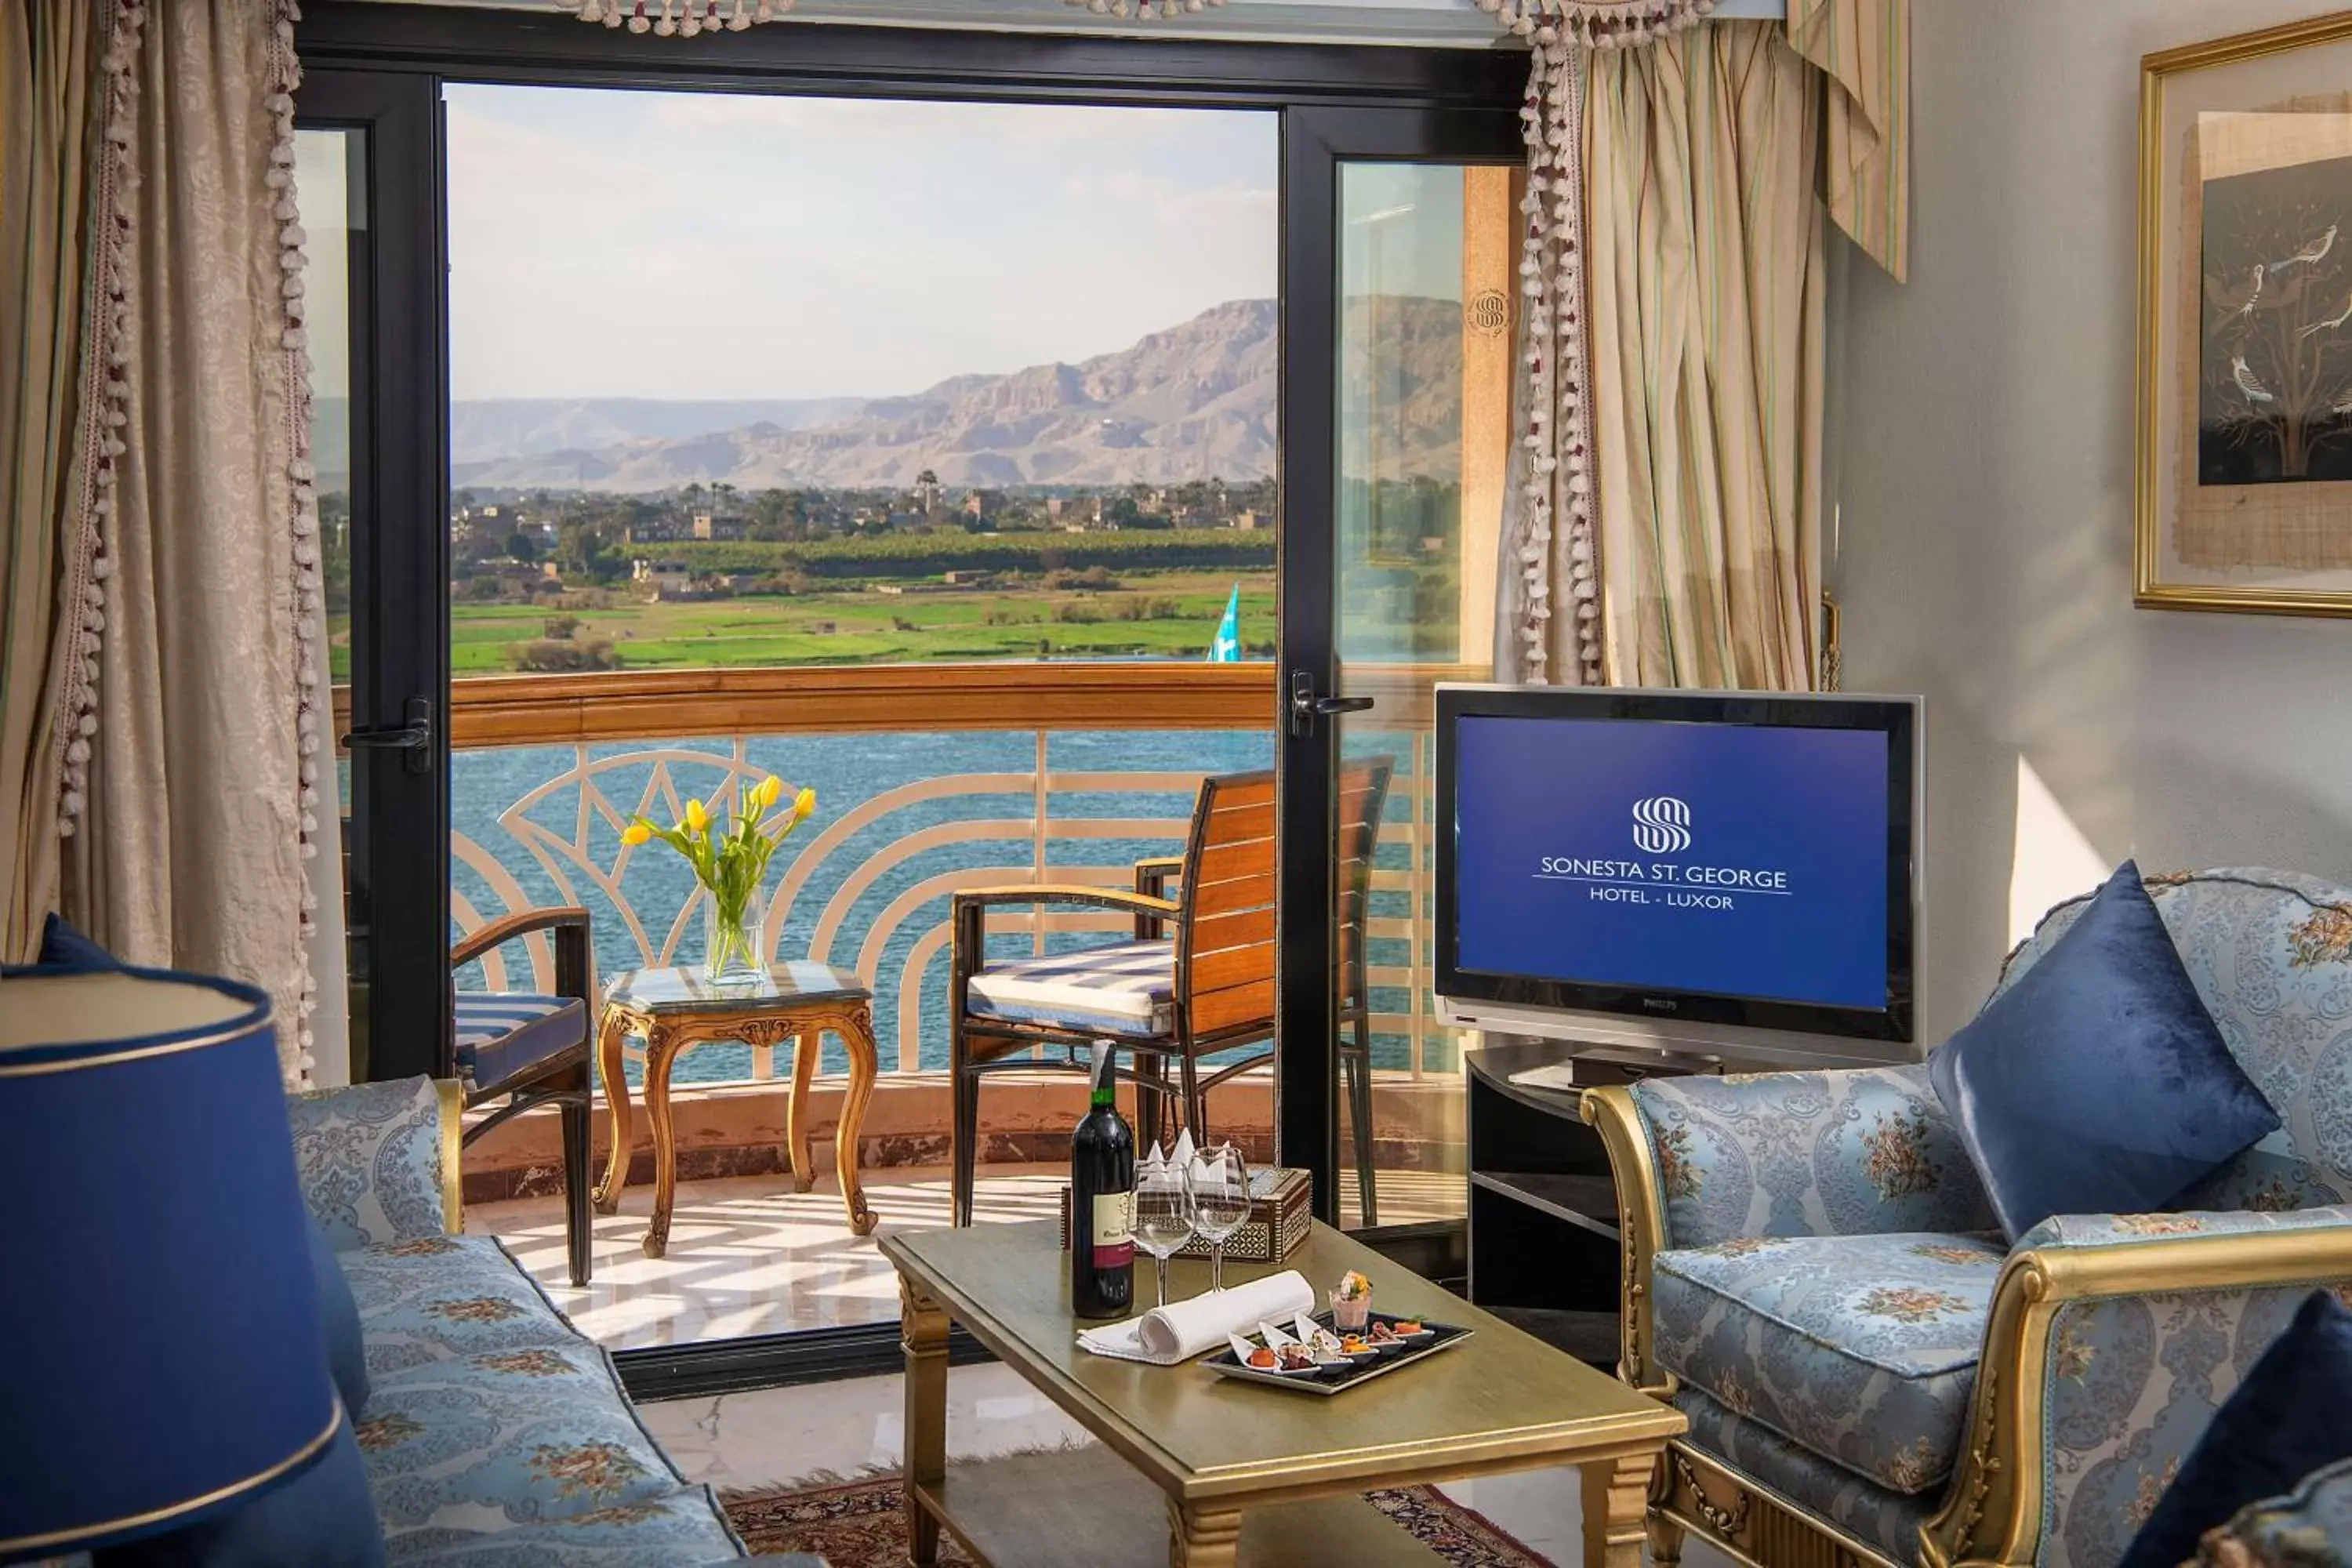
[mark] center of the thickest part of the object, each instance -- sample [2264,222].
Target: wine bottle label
[1114,1230]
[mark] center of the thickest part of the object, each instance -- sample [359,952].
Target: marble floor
[749,1256]
[780,1436]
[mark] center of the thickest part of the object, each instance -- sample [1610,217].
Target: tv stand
[1544,1246]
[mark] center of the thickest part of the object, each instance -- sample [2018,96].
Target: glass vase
[734,951]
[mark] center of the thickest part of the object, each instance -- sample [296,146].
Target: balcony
[929,778]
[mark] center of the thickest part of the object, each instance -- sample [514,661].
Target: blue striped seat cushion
[1128,989]
[501,1032]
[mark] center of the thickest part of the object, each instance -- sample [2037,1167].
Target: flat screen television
[1726,874]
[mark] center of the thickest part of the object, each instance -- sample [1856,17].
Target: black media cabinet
[1544,1249]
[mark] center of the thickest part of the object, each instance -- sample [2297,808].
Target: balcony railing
[929,778]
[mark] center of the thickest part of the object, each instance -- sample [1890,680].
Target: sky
[607,244]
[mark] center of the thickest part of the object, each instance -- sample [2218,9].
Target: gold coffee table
[676,1009]
[1196,1470]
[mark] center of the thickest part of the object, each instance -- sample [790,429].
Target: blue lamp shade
[158,1281]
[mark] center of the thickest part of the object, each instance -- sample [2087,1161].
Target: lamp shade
[163,1358]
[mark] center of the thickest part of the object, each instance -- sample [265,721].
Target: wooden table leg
[857,1034]
[1616,1498]
[612,1033]
[808,1044]
[1202,1538]
[923,1334]
[661,1049]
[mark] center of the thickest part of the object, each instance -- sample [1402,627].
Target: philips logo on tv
[1662,825]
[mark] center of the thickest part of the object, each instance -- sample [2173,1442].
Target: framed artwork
[2246,323]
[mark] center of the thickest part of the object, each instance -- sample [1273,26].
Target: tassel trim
[311,709]
[677,19]
[1596,23]
[1558,433]
[106,382]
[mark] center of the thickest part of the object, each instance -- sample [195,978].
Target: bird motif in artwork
[2243,375]
[2253,292]
[2311,255]
[2331,323]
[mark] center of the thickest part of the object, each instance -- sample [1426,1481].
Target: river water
[845,772]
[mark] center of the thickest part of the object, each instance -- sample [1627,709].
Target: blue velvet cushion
[2097,1084]
[2290,1415]
[64,947]
[338,1320]
[323,1517]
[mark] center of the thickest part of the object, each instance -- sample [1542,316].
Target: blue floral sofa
[495,1437]
[1812,1275]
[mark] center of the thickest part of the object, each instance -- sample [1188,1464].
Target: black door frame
[1316,143]
[400,564]
[1336,103]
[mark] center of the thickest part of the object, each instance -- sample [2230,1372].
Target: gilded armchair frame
[1993,1509]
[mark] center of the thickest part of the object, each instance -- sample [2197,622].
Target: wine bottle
[1102,1198]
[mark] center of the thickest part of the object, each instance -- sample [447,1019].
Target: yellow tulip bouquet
[730,863]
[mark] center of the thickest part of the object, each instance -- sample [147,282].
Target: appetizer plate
[1331,1377]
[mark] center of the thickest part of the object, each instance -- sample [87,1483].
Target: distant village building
[1247,517]
[667,579]
[711,525]
[970,579]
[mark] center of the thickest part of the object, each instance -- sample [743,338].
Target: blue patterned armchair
[1812,1275]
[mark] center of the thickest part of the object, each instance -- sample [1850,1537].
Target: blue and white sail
[1226,648]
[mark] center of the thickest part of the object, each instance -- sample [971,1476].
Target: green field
[860,626]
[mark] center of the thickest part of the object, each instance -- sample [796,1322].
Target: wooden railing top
[627,705]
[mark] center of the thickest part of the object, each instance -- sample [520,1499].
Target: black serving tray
[1441,1336]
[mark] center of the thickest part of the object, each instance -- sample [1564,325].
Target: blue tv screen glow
[1732,859]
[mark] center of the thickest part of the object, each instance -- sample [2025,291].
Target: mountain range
[1194,401]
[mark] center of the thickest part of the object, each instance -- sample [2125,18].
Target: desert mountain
[1193,401]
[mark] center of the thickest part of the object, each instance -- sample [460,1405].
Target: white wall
[1987,464]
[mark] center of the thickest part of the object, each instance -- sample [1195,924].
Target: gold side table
[677,1009]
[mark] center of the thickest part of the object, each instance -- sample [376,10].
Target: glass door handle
[1306,707]
[416,737]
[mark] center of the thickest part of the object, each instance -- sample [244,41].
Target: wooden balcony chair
[1196,979]
[532,1051]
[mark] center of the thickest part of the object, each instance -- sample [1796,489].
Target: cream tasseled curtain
[1706,258]
[1668,528]
[191,853]
[51,118]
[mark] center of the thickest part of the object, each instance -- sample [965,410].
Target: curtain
[1664,524]
[1862,48]
[51,116]
[1706,270]
[194,851]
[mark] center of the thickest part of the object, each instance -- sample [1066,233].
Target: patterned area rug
[856,1524]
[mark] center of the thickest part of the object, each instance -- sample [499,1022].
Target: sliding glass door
[1389,576]
[368,163]
[736,514]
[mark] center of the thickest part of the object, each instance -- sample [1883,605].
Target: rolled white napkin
[1166,1335]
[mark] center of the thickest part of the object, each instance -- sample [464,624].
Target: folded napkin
[1166,1335]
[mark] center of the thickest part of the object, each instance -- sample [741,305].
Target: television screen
[1705,858]
[1741,862]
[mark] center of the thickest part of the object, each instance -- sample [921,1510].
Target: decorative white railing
[867,887]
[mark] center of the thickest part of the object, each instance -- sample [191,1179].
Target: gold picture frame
[2244,414]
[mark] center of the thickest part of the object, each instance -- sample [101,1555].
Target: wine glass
[1221,1202]
[1164,1211]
